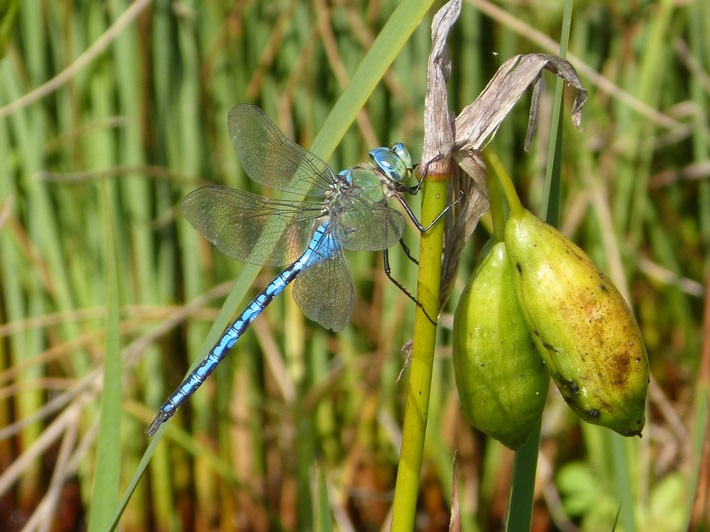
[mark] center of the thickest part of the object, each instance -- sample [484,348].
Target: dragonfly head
[395,162]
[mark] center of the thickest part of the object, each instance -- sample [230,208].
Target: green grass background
[110,112]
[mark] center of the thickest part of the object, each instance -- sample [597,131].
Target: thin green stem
[522,490]
[497,209]
[417,408]
[494,162]
[108,451]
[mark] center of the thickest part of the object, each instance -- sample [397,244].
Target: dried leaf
[468,183]
[478,122]
[455,519]
[438,131]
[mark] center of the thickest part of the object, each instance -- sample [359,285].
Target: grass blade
[108,451]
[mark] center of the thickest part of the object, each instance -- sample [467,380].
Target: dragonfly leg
[414,190]
[416,221]
[388,273]
[425,166]
[423,172]
[408,253]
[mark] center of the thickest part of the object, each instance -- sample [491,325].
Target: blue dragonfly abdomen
[321,252]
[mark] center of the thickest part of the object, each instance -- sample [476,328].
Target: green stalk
[522,489]
[497,209]
[417,408]
[506,183]
[108,450]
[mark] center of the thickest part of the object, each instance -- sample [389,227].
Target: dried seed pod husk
[501,379]
[580,324]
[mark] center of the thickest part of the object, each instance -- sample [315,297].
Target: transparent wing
[360,224]
[324,291]
[271,159]
[251,228]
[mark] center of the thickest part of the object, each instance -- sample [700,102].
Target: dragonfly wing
[324,291]
[363,225]
[271,159]
[251,228]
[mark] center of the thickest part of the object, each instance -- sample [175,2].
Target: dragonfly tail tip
[155,425]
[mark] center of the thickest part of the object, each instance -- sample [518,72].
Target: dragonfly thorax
[395,162]
[358,181]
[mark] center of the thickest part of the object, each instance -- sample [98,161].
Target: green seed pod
[581,326]
[501,379]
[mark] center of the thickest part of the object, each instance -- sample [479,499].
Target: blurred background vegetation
[110,112]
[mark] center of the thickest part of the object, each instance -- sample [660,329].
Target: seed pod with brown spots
[581,325]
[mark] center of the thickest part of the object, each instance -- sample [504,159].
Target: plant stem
[493,162]
[497,209]
[417,408]
[522,490]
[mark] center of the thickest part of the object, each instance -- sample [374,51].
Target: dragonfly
[344,211]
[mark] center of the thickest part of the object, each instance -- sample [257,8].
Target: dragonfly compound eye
[401,151]
[390,163]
